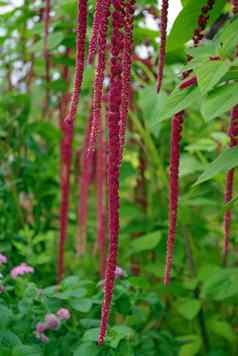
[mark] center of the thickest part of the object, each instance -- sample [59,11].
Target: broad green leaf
[82,305]
[91,335]
[186,22]
[26,350]
[189,165]
[119,333]
[219,101]
[145,243]
[188,308]
[87,349]
[222,328]
[209,73]
[55,39]
[177,101]
[221,285]
[192,346]
[227,39]
[228,159]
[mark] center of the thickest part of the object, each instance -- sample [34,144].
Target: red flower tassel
[126,70]
[114,160]
[163,34]
[176,134]
[101,181]
[100,70]
[66,151]
[94,36]
[46,17]
[233,133]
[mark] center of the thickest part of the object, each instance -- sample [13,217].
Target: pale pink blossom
[63,314]
[40,328]
[52,322]
[3,259]
[119,273]
[44,338]
[20,270]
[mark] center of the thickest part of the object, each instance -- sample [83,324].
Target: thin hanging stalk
[68,126]
[115,92]
[94,36]
[233,133]
[101,182]
[176,135]
[84,190]
[46,17]
[163,34]
[100,70]
[126,70]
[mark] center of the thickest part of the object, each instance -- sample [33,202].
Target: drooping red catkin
[114,160]
[100,70]
[188,83]
[46,17]
[94,36]
[101,181]
[235,6]
[233,134]
[176,134]
[126,69]
[67,128]
[81,30]
[163,34]
[84,190]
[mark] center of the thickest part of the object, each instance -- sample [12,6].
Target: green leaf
[87,349]
[83,305]
[186,22]
[227,39]
[6,316]
[223,329]
[55,39]
[26,350]
[188,308]
[221,285]
[145,243]
[189,165]
[209,73]
[192,346]
[177,101]
[228,159]
[91,335]
[219,101]
[119,333]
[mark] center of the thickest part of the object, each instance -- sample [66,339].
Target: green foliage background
[197,313]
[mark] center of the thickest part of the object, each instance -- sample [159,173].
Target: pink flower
[119,273]
[2,289]
[20,270]
[51,321]
[44,338]
[40,328]
[3,259]
[63,314]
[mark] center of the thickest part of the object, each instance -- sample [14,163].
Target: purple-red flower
[119,273]
[51,321]
[63,314]
[40,328]
[20,270]
[3,259]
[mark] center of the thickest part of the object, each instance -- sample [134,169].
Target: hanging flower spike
[84,190]
[235,6]
[114,160]
[94,36]
[46,17]
[100,70]
[233,134]
[126,69]
[163,34]
[101,181]
[176,135]
[68,126]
